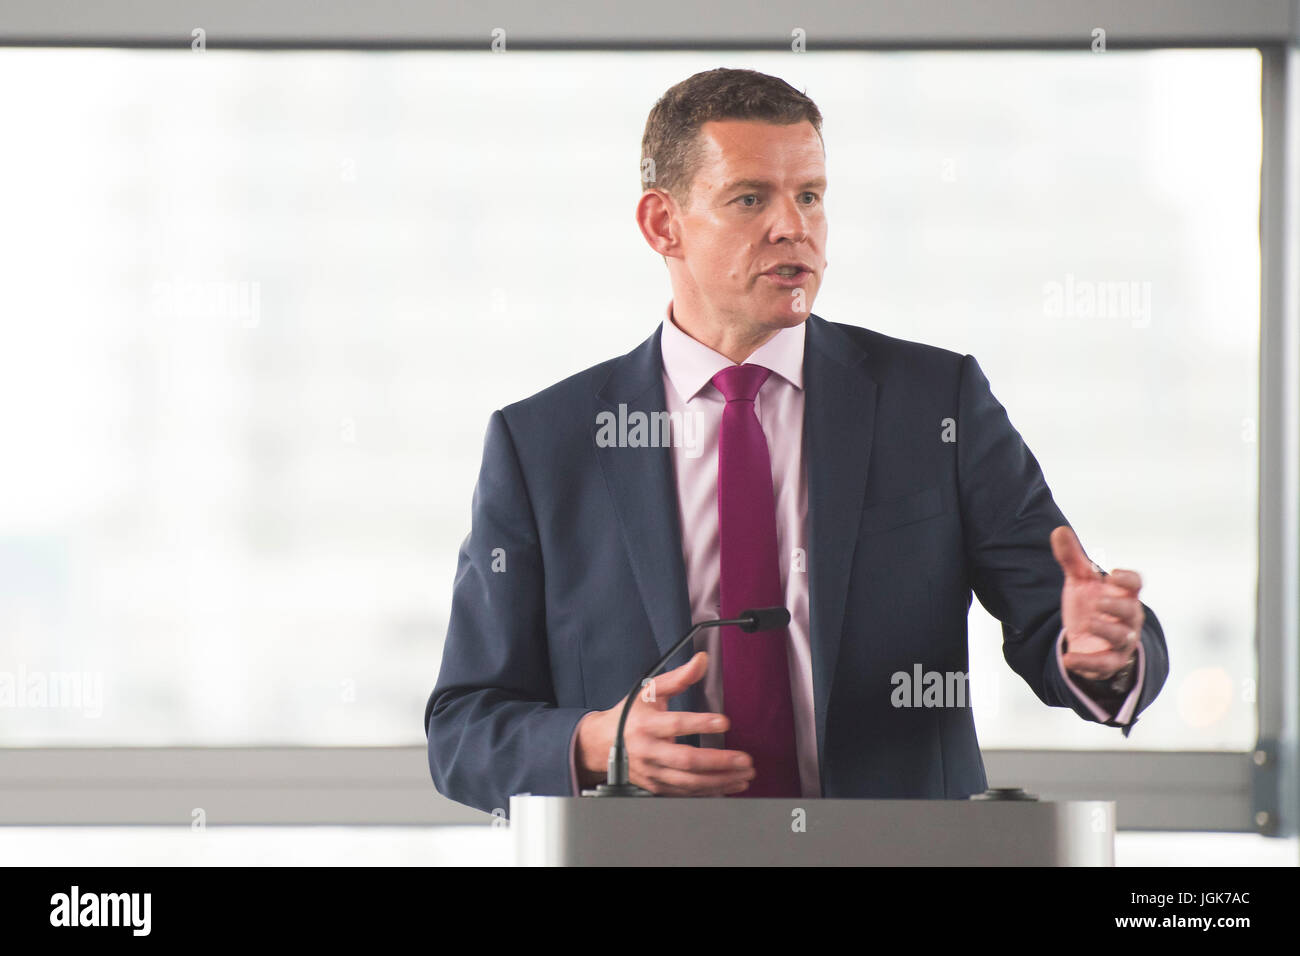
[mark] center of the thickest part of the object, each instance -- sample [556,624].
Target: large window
[259,306]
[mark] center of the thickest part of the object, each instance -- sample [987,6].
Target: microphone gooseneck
[617,783]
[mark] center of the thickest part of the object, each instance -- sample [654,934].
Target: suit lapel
[642,486]
[839,416]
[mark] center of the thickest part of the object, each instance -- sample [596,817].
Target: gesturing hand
[656,762]
[1101,613]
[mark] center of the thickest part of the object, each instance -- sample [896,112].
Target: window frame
[1254,791]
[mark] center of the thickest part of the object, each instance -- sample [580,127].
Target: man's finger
[1112,630]
[1123,578]
[1084,644]
[673,682]
[682,723]
[1069,554]
[1095,666]
[697,759]
[1127,610]
[679,783]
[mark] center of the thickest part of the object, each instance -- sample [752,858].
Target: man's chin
[787,320]
[787,312]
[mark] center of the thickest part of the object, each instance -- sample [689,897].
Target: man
[897,485]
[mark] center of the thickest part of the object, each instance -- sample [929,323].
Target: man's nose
[791,222]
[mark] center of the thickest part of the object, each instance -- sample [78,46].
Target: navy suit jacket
[571,582]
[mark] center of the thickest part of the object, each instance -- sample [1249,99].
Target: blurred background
[259,307]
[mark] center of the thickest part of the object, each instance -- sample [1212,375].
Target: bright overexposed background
[258,308]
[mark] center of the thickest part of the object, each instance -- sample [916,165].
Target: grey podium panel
[667,831]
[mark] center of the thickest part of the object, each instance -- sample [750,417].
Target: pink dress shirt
[688,367]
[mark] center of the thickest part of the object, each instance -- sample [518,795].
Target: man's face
[756,203]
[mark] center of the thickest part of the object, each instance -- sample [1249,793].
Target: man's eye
[748,205]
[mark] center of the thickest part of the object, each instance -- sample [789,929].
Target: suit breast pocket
[903,510]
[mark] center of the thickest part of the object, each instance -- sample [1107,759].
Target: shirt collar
[691,365]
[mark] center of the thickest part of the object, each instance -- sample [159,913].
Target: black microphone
[764,619]
[617,783]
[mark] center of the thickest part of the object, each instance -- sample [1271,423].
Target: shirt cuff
[1130,702]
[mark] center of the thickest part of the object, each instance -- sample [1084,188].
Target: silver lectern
[720,831]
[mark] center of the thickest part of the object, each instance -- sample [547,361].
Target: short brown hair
[671,139]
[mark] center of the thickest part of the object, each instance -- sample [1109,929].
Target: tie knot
[740,383]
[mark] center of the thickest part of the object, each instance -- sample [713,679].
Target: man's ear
[655,212]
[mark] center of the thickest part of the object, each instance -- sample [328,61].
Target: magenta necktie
[755,670]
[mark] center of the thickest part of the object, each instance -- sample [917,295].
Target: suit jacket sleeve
[1008,515]
[492,722]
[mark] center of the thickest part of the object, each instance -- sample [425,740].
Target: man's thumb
[1069,553]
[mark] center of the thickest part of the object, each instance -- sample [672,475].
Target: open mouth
[788,277]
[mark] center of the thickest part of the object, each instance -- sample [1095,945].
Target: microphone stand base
[617,790]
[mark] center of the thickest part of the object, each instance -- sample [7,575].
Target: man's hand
[655,761]
[1101,614]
